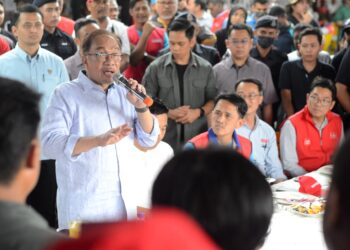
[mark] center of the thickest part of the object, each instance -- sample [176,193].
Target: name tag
[64,44]
[157,40]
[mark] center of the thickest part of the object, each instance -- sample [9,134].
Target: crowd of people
[240,91]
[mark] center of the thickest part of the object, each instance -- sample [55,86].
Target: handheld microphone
[120,79]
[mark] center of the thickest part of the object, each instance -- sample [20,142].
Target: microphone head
[148,101]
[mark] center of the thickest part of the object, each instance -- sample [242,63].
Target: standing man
[99,11]
[166,10]
[257,10]
[82,28]
[145,37]
[296,76]
[241,65]
[43,71]
[185,82]
[219,14]
[85,120]
[54,39]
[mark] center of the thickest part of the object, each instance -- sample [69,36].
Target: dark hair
[336,229]
[277,11]
[81,22]
[158,107]
[236,100]
[182,25]
[325,83]
[216,1]
[132,3]
[19,121]
[27,8]
[260,1]
[1,3]
[251,80]
[240,26]
[232,11]
[202,3]
[223,191]
[311,31]
[89,40]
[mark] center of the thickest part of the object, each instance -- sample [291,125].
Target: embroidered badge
[333,135]
[307,142]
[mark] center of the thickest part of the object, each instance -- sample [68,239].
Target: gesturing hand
[114,135]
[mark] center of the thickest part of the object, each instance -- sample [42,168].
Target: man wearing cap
[266,31]
[54,39]
[185,82]
[99,11]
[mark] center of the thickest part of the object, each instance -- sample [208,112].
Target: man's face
[267,32]
[251,95]
[260,8]
[51,13]
[191,6]
[141,12]
[309,47]
[29,29]
[180,45]
[163,124]
[215,8]
[84,32]
[113,10]
[182,5]
[101,69]
[225,118]
[319,102]
[166,9]
[2,14]
[239,43]
[99,9]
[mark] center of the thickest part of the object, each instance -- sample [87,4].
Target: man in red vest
[226,117]
[309,137]
[220,15]
[145,38]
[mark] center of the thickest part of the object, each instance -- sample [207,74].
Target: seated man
[309,137]
[222,191]
[336,221]
[262,136]
[21,226]
[227,116]
[139,173]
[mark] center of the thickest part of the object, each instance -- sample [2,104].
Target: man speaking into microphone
[84,122]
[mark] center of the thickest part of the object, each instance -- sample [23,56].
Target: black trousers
[43,196]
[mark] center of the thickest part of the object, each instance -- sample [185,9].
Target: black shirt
[180,75]
[59,43]
[294,77]
[273,60]
[336,62]
[221,36]
[208,53]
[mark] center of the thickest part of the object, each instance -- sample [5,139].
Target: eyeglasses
[103,56]
[238,42]
[324,102]
[99,1]
[166,3]
[250,96]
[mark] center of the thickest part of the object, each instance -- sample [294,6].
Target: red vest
[218,22]
[66,25]
[155,43]
[314,150]
[202,141]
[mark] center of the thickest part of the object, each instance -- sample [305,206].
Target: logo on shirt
[64,44]
[333,135]
[264,142]
[307,142]
[157,40]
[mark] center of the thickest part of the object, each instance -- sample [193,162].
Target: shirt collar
[257,123]
[299,63]
[169,60]
[24,56]
[214,140]
[233,65]
[88,83]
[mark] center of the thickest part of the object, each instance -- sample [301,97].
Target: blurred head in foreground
[223,191]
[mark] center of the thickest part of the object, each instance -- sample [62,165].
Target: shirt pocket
[166,90]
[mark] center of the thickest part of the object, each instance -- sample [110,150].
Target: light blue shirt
[89,184]
[43,72]
[264,148]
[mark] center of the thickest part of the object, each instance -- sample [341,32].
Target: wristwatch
[202,113]
[141,110]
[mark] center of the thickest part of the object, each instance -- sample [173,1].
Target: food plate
[291,198]
[309,209]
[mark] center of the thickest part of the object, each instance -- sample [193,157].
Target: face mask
[265,42]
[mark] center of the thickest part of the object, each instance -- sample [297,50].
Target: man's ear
[239,123]
[14,31]
[33,156]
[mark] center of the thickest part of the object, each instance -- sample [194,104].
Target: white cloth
[120,29]
[138,171]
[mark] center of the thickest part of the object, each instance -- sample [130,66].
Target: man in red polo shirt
[145,37]
[309,137]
